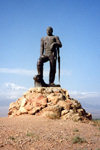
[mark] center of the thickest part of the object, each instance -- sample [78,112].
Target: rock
[81,112]
[18,113]
[51,102]
[64,112]
[14,105]
[66,116]
[23,110]
[53,108]
[39,89]
[56,90]
[71,111]
[34,110]
[76,105]
[69,101]
[51,115]
[41,101]
[89,116]
[76,117]
[64,105]
[19,101]
[53,99]
[50,96]
[52,112]
[28,107]
[12,111]
[23,102]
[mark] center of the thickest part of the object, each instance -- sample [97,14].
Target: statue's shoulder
[57,37]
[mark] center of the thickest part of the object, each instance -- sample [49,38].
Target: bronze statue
[49,51]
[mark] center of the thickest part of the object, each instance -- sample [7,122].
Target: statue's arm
[57,43]
[42,47]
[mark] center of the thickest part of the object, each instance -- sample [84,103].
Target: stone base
[50,102]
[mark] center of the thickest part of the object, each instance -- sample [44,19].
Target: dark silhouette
[49,51]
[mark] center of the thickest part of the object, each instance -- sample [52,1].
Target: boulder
[52,112]
[64,112]
[22,110]
[23,102]
[64,105]
[34,110]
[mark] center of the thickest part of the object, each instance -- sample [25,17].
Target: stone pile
[51,102]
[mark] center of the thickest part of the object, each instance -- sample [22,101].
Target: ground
[29,132]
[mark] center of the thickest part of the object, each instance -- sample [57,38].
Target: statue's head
[49,31]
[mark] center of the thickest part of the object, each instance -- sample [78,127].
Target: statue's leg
[52,70]
[40,67]
[40,63]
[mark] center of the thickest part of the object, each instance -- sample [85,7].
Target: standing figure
[48,52]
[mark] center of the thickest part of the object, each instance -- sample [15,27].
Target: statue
[49,51]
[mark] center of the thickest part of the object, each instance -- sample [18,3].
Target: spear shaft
[58,64]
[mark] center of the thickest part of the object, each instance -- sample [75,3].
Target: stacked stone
[51,102]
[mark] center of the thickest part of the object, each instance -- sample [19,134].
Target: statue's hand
[53,45]
[42,56]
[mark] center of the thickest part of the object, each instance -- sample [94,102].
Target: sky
[22,25]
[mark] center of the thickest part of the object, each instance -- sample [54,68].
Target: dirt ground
[38,133]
